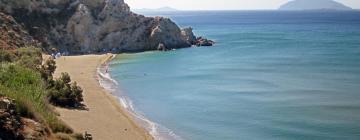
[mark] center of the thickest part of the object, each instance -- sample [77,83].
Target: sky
[220,4]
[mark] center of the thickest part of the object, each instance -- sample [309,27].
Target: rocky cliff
[88,26]
[13,35]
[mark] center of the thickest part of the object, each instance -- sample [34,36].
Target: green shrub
[76,92]
[65,94]
[6,56]
[29,57]
[30,84]
[47,70]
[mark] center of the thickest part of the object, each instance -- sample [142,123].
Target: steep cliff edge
[88,26]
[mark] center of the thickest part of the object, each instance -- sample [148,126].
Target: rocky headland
[95,26]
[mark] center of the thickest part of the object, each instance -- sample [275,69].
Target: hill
[314,5]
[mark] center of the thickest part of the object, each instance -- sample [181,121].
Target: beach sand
[105,118]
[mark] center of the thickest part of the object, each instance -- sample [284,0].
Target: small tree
[65,94]
[76,93]
[47,70]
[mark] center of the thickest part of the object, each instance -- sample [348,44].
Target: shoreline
[105,118]
[156,130]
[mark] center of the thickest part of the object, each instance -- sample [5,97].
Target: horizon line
[155,10]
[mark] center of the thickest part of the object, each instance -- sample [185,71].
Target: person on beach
[58,55]
[53,56]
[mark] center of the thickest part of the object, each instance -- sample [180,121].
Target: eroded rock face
[9,122]
[189,35]
[88,26]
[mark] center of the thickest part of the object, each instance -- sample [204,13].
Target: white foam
[106,76]
[157,131]
[123,103]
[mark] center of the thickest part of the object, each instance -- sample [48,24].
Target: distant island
[297,5]
[161,9]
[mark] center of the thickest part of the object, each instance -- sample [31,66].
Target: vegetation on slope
[61,92]
[24,79]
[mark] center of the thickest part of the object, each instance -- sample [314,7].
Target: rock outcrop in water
[88,26]
[200,41]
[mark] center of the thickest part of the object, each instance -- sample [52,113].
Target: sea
[272,75]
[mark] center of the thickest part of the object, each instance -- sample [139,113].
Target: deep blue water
[271,76]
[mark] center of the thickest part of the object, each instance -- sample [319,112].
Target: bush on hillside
[65,94]
[47,70]
[6,56]
[29,57]
[24,79]
[61,92]
[27,88]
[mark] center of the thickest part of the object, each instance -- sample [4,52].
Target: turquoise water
[271,75]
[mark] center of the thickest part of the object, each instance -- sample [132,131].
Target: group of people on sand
[57,54]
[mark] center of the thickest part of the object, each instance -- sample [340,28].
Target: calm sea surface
[271,76]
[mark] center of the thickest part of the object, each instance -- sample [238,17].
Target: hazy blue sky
[220,4]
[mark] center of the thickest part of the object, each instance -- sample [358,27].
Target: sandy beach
[105,118]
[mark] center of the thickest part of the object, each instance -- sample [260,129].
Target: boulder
[32,130]
[9,121]
[200,41]
[13,126]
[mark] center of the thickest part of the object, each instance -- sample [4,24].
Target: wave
[159,132]
[105,79]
